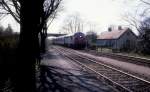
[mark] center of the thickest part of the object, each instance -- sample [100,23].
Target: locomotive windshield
[79,34]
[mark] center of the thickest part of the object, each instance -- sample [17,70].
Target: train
[75,41]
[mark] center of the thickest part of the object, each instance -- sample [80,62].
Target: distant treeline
[8,45]
[8,38]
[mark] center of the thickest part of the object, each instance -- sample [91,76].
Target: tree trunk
[43,38]
[28,49]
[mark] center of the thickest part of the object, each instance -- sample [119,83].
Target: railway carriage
[58,41]
[69,41]
[76,41]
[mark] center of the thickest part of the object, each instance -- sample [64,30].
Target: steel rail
[117,85]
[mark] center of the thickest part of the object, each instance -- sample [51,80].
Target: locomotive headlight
[80,36]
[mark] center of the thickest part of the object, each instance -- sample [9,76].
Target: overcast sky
[101,13]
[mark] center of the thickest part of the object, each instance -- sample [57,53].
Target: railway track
[120,80]
[124,58]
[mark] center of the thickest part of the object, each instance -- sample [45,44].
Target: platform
[62,75]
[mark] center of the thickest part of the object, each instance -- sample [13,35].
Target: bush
[8,45]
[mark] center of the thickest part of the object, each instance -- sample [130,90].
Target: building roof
[114,34]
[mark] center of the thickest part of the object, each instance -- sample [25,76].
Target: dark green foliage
[1,29]
[145,41]
[91,39]
[8,30]
[8,39]
[144,38]
[8,45]
[32,16]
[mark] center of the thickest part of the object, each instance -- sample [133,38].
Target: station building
[117,39]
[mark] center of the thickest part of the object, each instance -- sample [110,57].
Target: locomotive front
[79,40]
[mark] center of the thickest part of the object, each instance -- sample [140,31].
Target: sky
[101,13]
[10,20]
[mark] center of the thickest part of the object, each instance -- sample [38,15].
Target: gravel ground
[66,76]
[133,68]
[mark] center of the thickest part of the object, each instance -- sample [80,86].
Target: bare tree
[48,13]
[145,1]
[33,16]
[91,36]
[141,22]
[133,21]
[10,7]
[144,42]
[136,19]
[73,24]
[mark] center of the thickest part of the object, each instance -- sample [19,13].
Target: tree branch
[7,8]
[148,3]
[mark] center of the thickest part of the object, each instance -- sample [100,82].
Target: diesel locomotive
[75,41]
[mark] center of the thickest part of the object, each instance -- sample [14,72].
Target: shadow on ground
[56,79]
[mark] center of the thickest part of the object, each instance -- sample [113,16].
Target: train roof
[68,35]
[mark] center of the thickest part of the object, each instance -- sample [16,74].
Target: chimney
[109,29]
[119,27]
